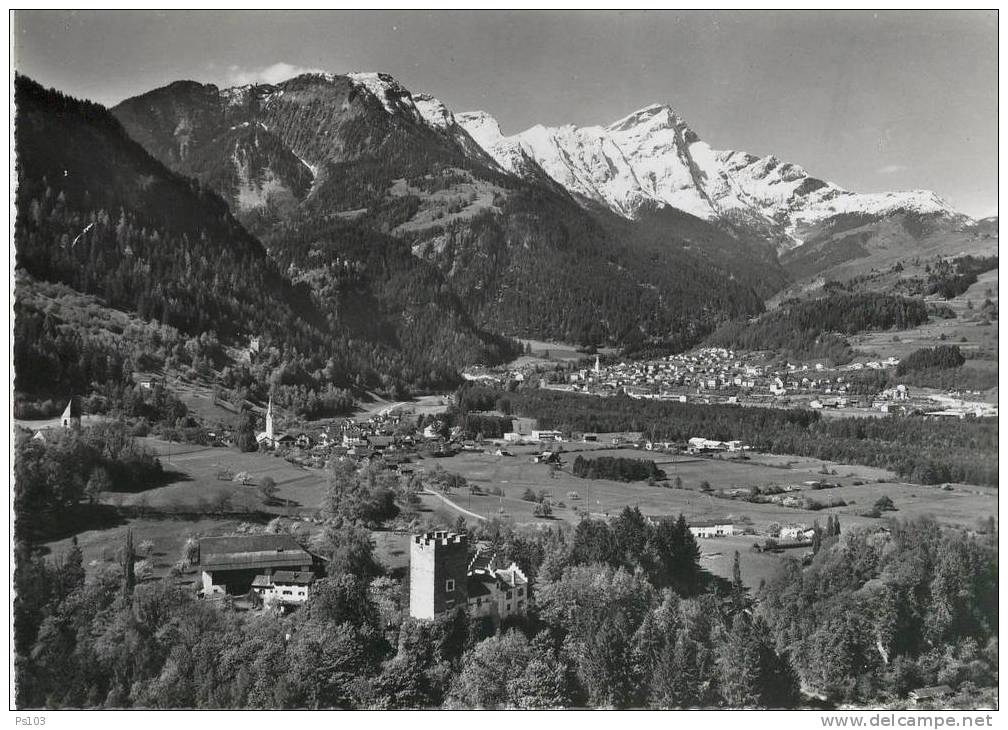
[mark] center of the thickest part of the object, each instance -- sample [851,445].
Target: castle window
[449,585]
[520,591]
[509,595]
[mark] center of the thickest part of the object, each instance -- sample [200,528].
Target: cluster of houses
[705,373]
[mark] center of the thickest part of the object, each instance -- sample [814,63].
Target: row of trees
[922,450]
[618,468]
[941,357]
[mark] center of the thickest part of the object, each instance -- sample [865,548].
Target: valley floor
[200,502]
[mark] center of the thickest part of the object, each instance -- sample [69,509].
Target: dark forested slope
[522,256]
[98,213]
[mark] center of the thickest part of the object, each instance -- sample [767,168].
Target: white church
[268,439]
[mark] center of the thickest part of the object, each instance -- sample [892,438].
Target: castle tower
[438,562]
[269,420]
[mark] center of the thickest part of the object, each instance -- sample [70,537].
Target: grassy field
[962,505]
[513,475]
[970,336]
[100,547]
[717,555]
[196,487]
[548,352]
[196,480]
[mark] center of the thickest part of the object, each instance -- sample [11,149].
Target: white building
[711,528]
[265,438]
[284,589]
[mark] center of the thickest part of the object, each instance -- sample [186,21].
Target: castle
[445,575]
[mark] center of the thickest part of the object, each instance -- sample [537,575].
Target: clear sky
[871,101]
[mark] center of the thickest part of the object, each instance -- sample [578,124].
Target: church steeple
[269,419]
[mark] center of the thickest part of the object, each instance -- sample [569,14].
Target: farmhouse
[700,445]
[795,533]
[231,565]
[147,381]
[711,528]
[284,589]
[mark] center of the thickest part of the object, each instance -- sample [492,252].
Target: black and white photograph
[519,359]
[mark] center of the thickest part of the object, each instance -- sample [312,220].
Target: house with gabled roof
[230,565]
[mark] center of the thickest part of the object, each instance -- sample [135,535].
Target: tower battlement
[439,537]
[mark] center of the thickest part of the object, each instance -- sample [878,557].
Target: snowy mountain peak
[653,158]
[647,159]
[653,114]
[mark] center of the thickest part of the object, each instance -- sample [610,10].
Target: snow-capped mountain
[652,158]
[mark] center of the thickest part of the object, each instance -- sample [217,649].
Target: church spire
[269,419]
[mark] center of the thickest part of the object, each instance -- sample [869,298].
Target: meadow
[191,504]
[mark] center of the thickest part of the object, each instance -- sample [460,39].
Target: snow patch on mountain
[392,95]
[486,132]
[433,111]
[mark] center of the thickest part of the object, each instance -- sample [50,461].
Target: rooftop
[244,552]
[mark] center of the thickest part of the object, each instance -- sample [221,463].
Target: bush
[885,504]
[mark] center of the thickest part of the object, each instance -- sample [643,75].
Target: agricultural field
[168,535]
[211,505]
[205,474]
[965,330]
[717,555]
[550,352]
[197,492]
[426,405]
[860,488]
[514,474]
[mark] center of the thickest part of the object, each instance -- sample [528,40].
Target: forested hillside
[523,258]
[815,328]
[97,213]
[882,611]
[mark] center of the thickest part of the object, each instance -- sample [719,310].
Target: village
[718,375]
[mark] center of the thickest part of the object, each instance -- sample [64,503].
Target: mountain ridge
[401,164]
[652,156]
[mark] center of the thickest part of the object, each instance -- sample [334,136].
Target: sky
[872,101]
